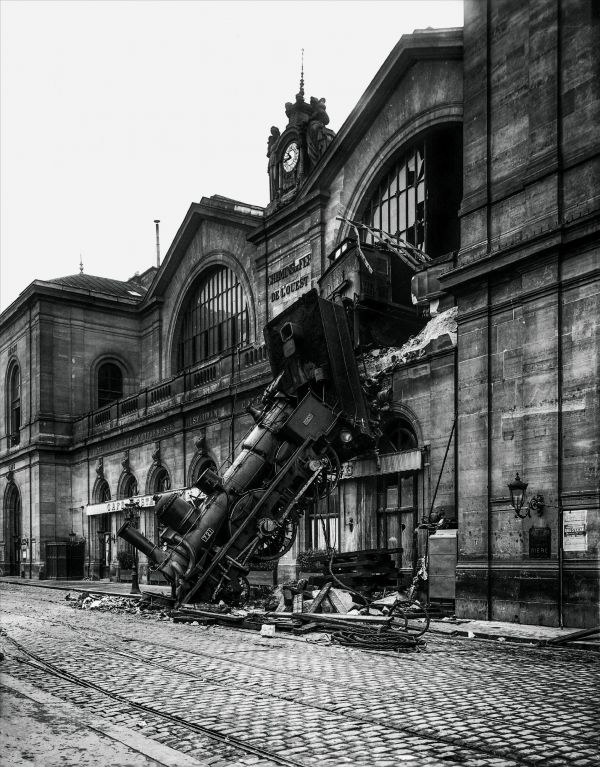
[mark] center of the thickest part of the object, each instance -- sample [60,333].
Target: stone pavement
[477,703]
[468,629]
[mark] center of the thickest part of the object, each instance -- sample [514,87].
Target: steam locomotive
[310,418]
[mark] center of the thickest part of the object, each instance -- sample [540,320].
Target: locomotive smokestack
[157,222]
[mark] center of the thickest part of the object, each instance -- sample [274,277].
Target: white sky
[114,113]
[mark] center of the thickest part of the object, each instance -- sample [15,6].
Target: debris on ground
[298,608]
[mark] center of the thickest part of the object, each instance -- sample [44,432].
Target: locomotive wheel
[275,538]
[329,477]
[277,542]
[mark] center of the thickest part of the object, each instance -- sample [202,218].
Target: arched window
[214,318]
[101,491]
[417,198]
[14,404]
[397,435]
[110,383]
[128,487]
[200,463]
[162,481]
[398,205]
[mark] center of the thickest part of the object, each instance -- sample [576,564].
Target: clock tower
[294,153]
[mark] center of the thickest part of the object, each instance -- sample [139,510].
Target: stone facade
[506,111]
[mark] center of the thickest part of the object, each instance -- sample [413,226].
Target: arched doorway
[103,529]
[13,529]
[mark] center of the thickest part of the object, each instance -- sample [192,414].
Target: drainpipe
[489,313]
[559,316]
[489,454]
[30,519]
[559,426]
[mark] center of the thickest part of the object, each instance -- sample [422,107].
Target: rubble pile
[113,604]
[388,621]
[384,361]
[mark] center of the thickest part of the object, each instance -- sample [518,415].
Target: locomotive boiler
[310,418]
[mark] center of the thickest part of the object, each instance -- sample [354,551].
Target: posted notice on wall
[575,530]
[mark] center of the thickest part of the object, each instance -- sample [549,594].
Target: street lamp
[132,515]
[517,499]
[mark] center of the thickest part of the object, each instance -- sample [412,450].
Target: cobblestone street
[132,689]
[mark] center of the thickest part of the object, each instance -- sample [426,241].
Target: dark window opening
[102,492]
[110,383]
[397,435]
[214,319]
[162,481]
[14,405]
[418,197]
[129,487]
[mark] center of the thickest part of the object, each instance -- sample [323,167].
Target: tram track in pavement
[97,637]
[36,662]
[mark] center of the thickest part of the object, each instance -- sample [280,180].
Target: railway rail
[272,702]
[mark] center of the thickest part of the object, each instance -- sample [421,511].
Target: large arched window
[417,198]
[398,205]
[214,318]
[14,404]
[110,383]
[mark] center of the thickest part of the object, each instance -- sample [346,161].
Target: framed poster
[575,530]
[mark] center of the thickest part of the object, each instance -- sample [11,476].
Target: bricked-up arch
[12,529]
[13,402]
[101,492]
[214,317]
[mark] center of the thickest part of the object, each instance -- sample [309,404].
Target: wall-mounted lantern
[517,499]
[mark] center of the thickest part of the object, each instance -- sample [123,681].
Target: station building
[456,215]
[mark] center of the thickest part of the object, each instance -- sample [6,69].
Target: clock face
[290,157]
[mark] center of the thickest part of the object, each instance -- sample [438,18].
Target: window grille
[398,205]
[214,319]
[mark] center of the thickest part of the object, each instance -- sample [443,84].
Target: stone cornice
[518,254]
[40,289]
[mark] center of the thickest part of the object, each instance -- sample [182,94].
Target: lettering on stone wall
[281,287]
[211,414]
[539,542]
[151,435]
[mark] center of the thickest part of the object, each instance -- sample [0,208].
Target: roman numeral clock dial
[290,157]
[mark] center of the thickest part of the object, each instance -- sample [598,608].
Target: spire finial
[302,75]
[80,264]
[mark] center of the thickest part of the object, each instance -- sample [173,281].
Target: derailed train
[312,416]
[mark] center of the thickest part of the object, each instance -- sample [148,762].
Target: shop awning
[390,463]
[144,501]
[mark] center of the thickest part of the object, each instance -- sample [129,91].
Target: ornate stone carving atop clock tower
[294,153]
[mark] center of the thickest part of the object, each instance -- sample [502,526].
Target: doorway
[12,506]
